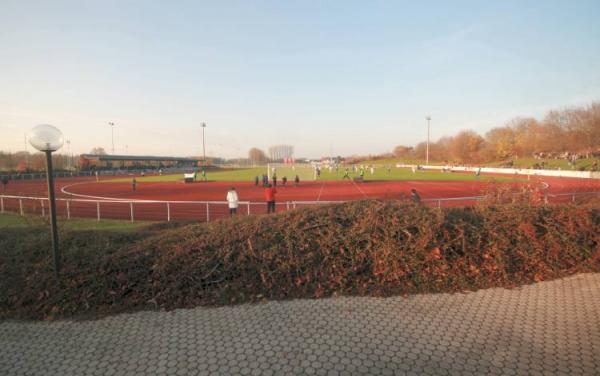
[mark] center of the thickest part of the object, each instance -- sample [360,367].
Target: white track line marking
[359,189]
[321,191]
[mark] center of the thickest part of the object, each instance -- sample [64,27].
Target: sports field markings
[359,189]
[321,191]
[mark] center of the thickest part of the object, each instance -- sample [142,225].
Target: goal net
[305,171]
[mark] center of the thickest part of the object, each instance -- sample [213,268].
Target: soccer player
[232,201]
[346,174]
[270,192]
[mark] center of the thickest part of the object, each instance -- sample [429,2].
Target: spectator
[270,192]
[232,200]
[415,197]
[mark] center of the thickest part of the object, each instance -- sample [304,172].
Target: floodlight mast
[203,125]
[428,118]
[47,138]
[112,134]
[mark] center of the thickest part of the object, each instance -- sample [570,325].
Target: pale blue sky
[359,76]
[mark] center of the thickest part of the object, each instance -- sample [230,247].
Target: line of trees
[561,133]
[23,162]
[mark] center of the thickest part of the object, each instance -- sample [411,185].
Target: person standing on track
[274,180]
[232,201]
[297,180]
[415,197]
[256,181]
[270,192]
[4,183]
[204,175]
[134,184]
[284,180]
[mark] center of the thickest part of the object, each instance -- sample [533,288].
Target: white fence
[148,210]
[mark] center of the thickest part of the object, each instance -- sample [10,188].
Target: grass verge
[374,248]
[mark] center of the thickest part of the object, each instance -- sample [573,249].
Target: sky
[329,77]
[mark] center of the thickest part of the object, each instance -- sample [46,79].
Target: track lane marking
[320,191]
[359,189]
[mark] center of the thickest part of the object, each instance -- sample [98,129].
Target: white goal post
[304,171]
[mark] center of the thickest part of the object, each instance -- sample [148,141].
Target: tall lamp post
[69,154]
[428,118]
[112,135]
[203,125]
[47,138]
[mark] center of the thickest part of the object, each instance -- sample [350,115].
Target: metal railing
[154,210]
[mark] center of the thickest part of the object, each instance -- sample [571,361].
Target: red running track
[88,188]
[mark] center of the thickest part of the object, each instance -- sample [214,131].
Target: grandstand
[106,161]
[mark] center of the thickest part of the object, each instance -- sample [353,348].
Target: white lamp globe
[46,137]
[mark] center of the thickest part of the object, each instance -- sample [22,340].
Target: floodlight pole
[69,154]
[52,200]
[112,134]
[203,125]
[428,118]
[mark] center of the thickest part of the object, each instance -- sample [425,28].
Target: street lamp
[47,138]
[112,135]
[203,125]
[428,118]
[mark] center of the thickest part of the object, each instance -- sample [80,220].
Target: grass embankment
[375,248]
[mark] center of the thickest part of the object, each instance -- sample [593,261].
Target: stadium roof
[108,157]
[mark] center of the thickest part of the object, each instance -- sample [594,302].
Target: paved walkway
[546,328]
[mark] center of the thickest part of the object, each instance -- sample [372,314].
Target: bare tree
[257,156]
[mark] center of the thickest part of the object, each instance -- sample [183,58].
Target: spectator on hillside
[134,184]
[232,201]
[4,182]
[415,197]
[270,192]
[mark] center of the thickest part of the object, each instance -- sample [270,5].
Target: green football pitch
[381,173]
